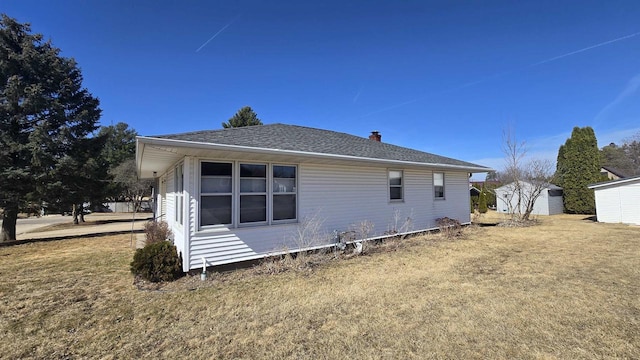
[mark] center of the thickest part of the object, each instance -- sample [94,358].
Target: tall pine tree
[482,201]
[44,113]
[244,117]
[578,166]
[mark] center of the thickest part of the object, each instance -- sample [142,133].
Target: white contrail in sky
[497,75]
[632,87]
[218,33]
[584,49]
[355,98]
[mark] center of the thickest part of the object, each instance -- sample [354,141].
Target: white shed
[618,201]
[548,203]
[244,193]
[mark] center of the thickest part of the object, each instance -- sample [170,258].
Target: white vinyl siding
[619,203]
[335,198]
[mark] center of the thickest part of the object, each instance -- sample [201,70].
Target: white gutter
[613,182]
[210,146]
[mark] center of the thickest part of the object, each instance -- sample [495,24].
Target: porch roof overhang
[155,155]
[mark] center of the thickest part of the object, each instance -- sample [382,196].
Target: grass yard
[568,288]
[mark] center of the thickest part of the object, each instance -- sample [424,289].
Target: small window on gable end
[395,185]
[438,185]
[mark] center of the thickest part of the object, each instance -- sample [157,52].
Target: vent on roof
[375,135]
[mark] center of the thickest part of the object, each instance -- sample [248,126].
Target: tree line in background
[623,158]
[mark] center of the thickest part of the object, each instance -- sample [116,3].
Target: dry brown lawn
[568,289]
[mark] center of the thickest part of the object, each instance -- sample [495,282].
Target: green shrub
[482,202]
[156,262]
[157,231]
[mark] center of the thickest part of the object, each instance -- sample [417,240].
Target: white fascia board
[614,182]
[247,149]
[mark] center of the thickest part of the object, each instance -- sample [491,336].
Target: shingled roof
[311,140]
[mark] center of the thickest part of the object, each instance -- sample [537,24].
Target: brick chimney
[375,136]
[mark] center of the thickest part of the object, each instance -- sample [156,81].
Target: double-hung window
[284,192]
[216,193]
[395,185]
[438,185]
[253,193]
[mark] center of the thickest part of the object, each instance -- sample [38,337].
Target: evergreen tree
[244,117]
[120,143]
[44,112]
[119,148]
[492,176]
[482,202]
[578,166]
[79,177]
[560,167]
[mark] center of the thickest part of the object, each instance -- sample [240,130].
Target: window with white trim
[178,181]
[247,193]
[395,185]
[216,193]
[284,192]
[438,185]
[253,193]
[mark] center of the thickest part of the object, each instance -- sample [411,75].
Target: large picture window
[395,185]
[438,185]
[216,193]
[247,194]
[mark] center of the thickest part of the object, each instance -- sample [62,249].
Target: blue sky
[440,76]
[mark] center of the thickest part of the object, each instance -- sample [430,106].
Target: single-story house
[244,193]
[548,203]
[618,201]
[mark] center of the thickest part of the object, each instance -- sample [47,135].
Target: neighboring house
[618,201]
[612,173]
[244,193]
[548,203]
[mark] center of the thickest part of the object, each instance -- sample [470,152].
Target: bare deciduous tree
[132,188]
[528,178]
